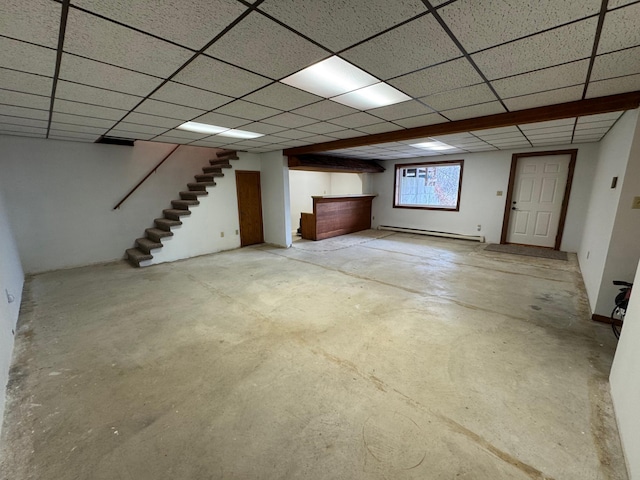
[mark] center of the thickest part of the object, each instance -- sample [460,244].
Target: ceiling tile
[89,72]
[562,45]
[28,122]
[23,129]
[321,128]
[355,120]
[379,128]
[583,131]
[245,45]
[152,120]
[26,57]
[402,49]
[134,127]
[339,25]
[620,29]
[76,108]
[128,134]
[177,20]
[170,139]
[600,117]
[70,139]
[73,135]
[319,139]
[109,42]
[568,128]
[440,78]
[347,133]
[282,96]
[291,134]
[180,94]
[481,110]
[97,96]
[219,77]
[18,99]
[221,120]
[530,127]
[248,110]
[460,97]
[534,136]
[549,142]
[500,131]
[421,120]
[617,64]
[21,134]
[290,120]
[480,25]
[325,110]
[551,97]
[264,128]
[570,74]
[401,110]
[35,21]
[619,3]
[613,86]
[25,82]
[80,120]
[170,110]
[78,128]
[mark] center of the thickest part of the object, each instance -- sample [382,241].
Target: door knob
[514,208]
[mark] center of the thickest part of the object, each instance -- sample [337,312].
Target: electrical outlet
[221,234]
[588,253]
[479,227]
[636,202]
[499,193]
[236,232]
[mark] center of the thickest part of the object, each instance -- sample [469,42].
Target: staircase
[179,208]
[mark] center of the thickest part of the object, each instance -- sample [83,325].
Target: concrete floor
[369,356]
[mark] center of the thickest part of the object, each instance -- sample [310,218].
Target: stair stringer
[217,212]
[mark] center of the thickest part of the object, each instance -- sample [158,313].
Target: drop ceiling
[140,68]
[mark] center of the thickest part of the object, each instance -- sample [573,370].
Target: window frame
[396,191]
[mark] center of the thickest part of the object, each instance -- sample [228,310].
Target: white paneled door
[538,193]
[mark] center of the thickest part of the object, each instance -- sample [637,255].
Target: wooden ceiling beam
[326,163]
[591,106]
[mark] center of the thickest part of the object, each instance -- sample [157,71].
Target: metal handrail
[145,178]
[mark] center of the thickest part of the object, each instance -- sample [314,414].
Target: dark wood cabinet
[336,215]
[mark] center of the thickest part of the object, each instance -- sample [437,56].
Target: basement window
[432,186]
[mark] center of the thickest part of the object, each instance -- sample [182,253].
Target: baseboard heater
[475,238]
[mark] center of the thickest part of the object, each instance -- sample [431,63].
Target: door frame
[567,191]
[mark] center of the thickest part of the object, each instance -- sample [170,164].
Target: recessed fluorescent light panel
[374,96]
[330,77]
[342,82]
[433,145]
[233,133]
[201,128]
[215,130]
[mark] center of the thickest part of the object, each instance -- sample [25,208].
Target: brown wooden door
[249,207]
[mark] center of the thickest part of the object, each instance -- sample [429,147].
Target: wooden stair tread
[200,185]
[135,256]
[208,177]
[156,234]
[193,194]
[146,244]
[184,204]
[175,211]
[220,163]
[212,169]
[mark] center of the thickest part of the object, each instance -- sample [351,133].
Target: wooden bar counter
[335,215]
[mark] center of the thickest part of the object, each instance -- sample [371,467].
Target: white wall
[625,384]
[303,185]
[274,179]
[11,281]
[613,156]
[200,232]
[624,246]
[60,196]
[484,175]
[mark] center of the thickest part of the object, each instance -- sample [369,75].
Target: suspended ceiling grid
[140,68]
